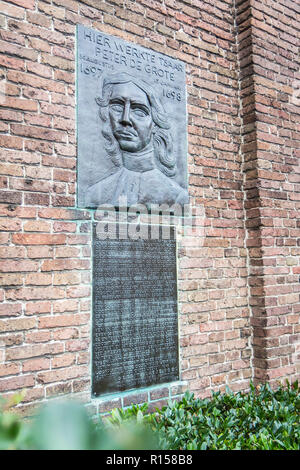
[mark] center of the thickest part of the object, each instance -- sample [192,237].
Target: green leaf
[139,417]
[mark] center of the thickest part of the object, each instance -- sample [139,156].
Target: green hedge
[259,419]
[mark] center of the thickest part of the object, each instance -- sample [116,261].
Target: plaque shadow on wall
[135,318]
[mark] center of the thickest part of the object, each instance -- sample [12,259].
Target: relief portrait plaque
[135,320]
[131,123]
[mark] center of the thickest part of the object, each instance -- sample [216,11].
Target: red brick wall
[269,43]
[238,283]
[214,302]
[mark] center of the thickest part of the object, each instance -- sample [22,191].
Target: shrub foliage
[259,419]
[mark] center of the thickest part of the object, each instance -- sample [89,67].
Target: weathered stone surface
[131,119]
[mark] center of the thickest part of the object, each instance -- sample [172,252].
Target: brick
[18,50]
[63,201]
[40,251]
[58,389]
[65,333]
[10,225]
[10,142]
[58,62]
[35,82]
[39,239]
[58,110]
[83,385]
[12,63]
[38,279]
[11,170]
[39,44]
[19,157]
[64,252]
[38,336]
[65,306]
[3,182]
[77,345]
[68,4]
[12,37]
[36,198]
[37,226]
[77,292]
[24,352]
[56,321]
[62,374]
[28,4]
[11,10]
[38,132]
[83,357]
[159,393]
[63,124]
[133,399]
[40,173]
[9,369]
[38,19]
[17,324]
[64,360]
[38,307]
[17,383]
[64,227]
[33,394]
[27,410]
[33,93]
[19,103]
[10,310]
[178,389]
[64,175]
[8,115]
[37,119]
[64,264]
[66,278]
[28,184]
[11,280]
[108,405]
[157,404]
[17,266]
[4,238]
[50,213]
[51,10]
[77,239]
[37,293]
[62,162]
[34,365]
[12,339]
[66,150]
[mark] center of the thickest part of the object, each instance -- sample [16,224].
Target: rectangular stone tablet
[135,320]
[131,123]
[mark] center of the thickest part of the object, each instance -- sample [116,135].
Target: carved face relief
[130,117]
[131,123]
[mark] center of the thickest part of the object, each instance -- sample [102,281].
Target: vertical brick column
[252,201]
[268,40]
[276,41]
